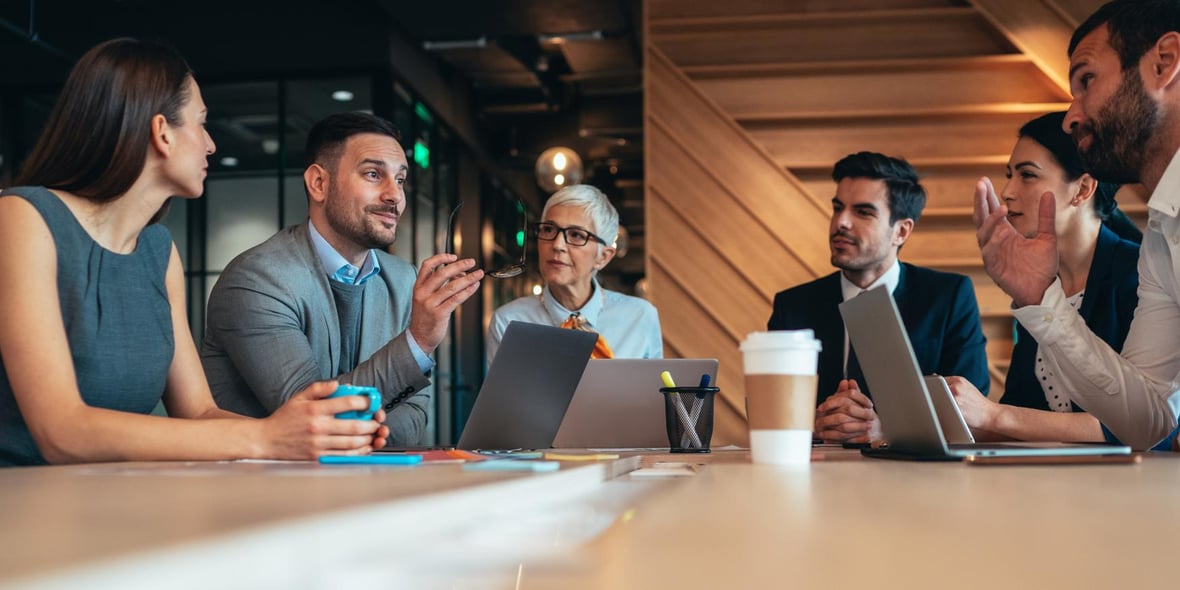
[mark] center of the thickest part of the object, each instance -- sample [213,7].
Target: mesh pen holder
[688,413]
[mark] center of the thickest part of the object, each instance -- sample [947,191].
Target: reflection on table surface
[593,524]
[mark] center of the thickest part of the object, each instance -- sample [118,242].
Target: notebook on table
[528,388]
[903,401]
[618,402]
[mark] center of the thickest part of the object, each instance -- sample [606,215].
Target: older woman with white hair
[575,240]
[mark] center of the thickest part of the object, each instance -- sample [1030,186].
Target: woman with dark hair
[93,330]
[1098,254]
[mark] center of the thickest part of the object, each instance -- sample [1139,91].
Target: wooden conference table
[843,522]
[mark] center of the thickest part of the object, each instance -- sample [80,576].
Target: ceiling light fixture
[229,161]
[567,37]
[342,96]
[558,167]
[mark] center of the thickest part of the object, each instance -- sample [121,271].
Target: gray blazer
[272,329]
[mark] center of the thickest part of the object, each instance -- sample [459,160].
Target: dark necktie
[853,369]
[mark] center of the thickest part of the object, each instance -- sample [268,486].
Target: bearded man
[324,300]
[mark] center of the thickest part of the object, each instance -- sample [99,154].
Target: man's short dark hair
[907,198]
[1135,25]
[325,141]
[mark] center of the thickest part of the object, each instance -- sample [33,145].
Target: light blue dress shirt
[630,325]
[340,270]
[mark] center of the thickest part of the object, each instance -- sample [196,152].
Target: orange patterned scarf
[601,348]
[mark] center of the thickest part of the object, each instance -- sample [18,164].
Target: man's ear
[162,140]
[1164,60]
[901,231]
[316,179]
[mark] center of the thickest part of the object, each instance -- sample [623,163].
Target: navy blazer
[1107,308]
[938,309]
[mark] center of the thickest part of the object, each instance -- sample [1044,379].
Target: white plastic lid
[779,339]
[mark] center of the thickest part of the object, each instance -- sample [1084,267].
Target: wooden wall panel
[1038,28]
[693,210]
[719,284]
[680,9]
[751,177]
[820,146]
[896,88]
[1076,11]
[829,37]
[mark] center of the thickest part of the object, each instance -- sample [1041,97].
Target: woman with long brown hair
[93,330]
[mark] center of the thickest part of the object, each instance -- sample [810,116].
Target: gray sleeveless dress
[117,318]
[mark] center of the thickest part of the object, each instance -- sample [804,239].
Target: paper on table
[575,457]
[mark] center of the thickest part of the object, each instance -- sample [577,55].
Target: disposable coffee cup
[780,377]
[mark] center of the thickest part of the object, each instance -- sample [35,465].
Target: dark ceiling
[539,72]
[546,73]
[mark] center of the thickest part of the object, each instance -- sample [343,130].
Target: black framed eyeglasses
[574,236]
[503,273]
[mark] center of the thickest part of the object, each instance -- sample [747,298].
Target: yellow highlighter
[667,377]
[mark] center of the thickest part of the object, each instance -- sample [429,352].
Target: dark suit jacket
[938,309]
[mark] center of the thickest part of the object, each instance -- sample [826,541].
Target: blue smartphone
[383,459]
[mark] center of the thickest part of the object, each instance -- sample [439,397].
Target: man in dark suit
[878,201]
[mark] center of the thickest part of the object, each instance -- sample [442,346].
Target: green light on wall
[520,238]
[421,154]
[423,113]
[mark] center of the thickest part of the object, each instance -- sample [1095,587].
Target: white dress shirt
[1136,395]
[889,279]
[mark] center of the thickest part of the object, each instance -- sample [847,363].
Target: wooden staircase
[751,102]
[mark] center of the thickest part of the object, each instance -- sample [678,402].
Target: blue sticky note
[514,454]
[512,465]
[382,459]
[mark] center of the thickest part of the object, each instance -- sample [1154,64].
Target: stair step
[671,10]
[940,87]
[929,32]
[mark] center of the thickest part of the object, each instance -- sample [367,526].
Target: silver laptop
[618,402]
[528,387]
[950,419]
[902,399]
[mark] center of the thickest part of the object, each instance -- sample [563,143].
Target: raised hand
[444,282]
[1023,267]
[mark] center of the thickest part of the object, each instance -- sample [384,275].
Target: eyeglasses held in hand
[503,273]
[574,236]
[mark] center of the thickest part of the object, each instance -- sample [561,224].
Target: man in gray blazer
[323,300]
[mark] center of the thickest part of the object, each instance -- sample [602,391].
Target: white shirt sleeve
[495,333]
[1136,394]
